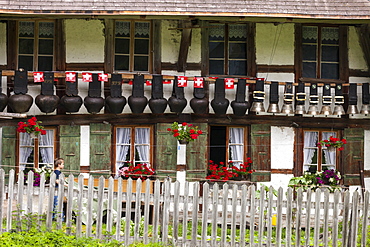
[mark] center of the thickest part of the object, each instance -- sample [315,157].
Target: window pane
[216,67]
[45,63]
[309,52]
[46,47]
[142,29]
[330,53]
[237,67]
[25,46]
[46,29]
[330,71]
[141,46]
[141,63]
[217,32]
[238,32]
[25,62]
[309,70]
[309,34]
[216,49]
[122,46]
[330,35]
[26,29]
[122,29]
[237,50]
[121,62]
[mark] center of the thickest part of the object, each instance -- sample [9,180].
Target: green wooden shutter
[260,147]
[8,148]
[353,156]
[165,159]
[196,156]
[70,147]
[100,149]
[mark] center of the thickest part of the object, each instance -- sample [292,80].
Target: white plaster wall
[2,43]
[277,181]
[355,54]
[84,41]
[282,147]
[367,150]
[170,41]
[275,44]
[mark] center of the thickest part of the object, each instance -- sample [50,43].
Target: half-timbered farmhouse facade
[261,79]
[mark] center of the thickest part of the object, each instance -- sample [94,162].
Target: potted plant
[329,178]
[222,172]
[332,143]
[37,172]
[136,171]
[32,127]
[184,132]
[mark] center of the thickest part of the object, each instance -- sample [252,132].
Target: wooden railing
[170,212]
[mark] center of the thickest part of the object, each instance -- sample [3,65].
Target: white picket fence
[161,210]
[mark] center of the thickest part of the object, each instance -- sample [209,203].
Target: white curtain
[24,151]
[142,139]
[310,140]
[47,153]
[236,136]
[122,146]
[329,156]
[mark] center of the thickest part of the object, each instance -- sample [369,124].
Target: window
[318,158]
[36,45]
[227,49]
[132,46]
[133,144]
[228,144]
[36,152]
[320,52]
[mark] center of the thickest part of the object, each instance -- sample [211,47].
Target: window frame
[36,148]
[36,49]
[132,143]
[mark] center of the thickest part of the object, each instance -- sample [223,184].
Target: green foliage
[328,178]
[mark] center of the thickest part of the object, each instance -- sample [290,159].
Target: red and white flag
[198,82]
[229,83]
[148,82]
[86,77]
[38,76]
[102,77]
[71,76]
[182,81]
[167,81]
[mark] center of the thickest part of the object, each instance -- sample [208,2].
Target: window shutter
[70,147]
[165,152]
[8,148]
[260,147]
[100,149]
[353,156]
[196,156]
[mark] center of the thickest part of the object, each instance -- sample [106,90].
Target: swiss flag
[148,83]
[38,76]
[130,82]
[86,77]
[71,76]
[229,83]
[182,81]
[198,82]
[167,81]
[102,77]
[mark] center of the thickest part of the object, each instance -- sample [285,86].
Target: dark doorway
[218,144]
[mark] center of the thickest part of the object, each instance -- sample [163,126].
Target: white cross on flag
[71,76]
[38,76]
[229,83]
[198,82]
[102,77]
[86,77]
[182,81]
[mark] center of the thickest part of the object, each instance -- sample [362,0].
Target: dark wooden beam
[184,46]
[264,68]
[363,33]
[174,66]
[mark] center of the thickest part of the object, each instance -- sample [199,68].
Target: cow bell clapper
[94,102]
[200,103]
[3,96]
[71,102]
[157,103]
[338,101]
[240,105]
[313,109]
[326,100]
[300,99]
[177,101]
[365,99]
[219,102]
[137,101]
[352,99]
[47,102]
[115,102]
[288,99]
[258,96]
[274,98]
[20,101]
